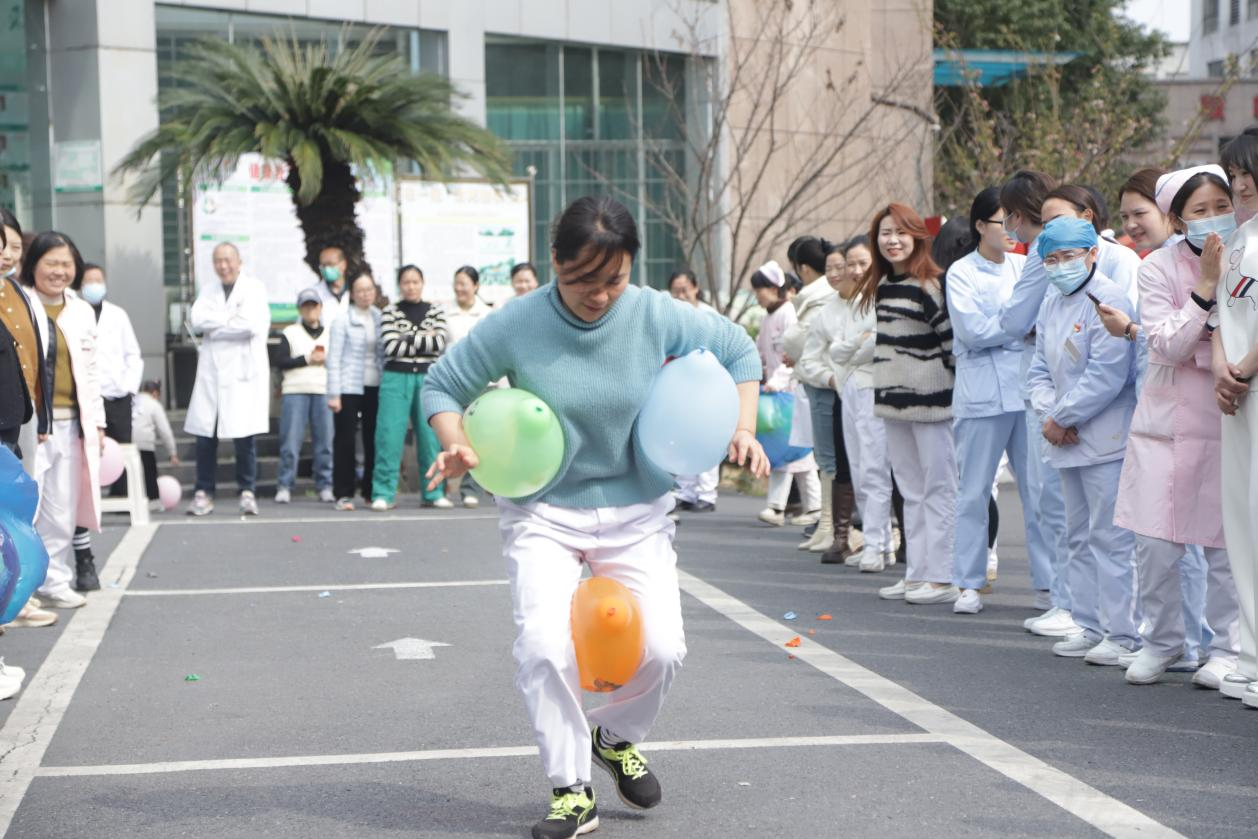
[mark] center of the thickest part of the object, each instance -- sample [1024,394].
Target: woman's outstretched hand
[745,450]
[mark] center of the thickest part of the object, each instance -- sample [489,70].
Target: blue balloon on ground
[773,428]
[690,415]
[22,552]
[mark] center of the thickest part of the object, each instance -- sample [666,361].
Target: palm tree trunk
[331,221]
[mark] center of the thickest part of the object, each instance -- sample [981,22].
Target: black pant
[118,426]
[346,425]
[9,438]
[842,469]
[149,459]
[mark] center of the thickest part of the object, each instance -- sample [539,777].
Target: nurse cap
[1169,185]
[1066,232]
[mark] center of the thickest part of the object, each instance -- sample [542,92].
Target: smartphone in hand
[1093,298]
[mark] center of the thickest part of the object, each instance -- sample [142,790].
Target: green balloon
[517,438]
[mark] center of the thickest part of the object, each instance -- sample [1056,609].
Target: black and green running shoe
[571,814]
[635,784]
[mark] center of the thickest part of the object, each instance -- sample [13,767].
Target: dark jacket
[16,406]
[45,370]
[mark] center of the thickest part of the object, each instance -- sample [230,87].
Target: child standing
[149,427]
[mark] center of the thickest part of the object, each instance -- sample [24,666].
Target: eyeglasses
[1064,256]
[999,221]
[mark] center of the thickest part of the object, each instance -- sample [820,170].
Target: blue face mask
[1068,277]
[93,293]
[1013,234]
[331,273]
[1200,228]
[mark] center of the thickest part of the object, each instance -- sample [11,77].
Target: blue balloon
[773,428]
[690,415]
[22,552]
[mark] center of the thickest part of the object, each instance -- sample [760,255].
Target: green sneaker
[571,814]
[635,784]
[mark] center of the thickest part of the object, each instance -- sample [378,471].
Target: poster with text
[253,209]
[446,226]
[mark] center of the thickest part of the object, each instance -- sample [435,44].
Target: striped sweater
[414,336]
[913,364]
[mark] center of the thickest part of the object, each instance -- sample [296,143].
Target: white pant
[925,465]
[59,503]
[780,489]
[545,547]
[865,440]
[701,487]
[1101,571]
[1162,598]
[1240,530]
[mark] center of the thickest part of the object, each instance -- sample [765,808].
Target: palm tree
[324,115]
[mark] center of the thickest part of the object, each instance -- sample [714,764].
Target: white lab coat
[1121,264]
[233,387]
[118,360]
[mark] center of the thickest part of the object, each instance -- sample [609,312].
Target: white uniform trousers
[980,443]
[1046,529]
[1162,598]
[701,487]
[1193,571]
[865,440]
[780,489]
[59,488]
[925,466]
[1101,571]
[546,547]
[1240,523]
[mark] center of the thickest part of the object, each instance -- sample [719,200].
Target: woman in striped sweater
[913,377]
[414,336]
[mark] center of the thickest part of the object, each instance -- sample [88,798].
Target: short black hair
[522,266]
[860,241]
[984,206]
[812,252]
[150,385]
[683,272]
[1192,185]
[471,273]
[39,248]
[599,223]
[87,266]
[1082,199]
[1241,154]
[952,242]
[409,267]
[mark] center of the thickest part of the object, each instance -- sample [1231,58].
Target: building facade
[1220,29]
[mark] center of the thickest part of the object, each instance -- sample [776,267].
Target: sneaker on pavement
[895,592]
[283,495]
[155,506]
[1250,697]
[635,784]
[1043,601]
[805,519]
[471,502]
[1105,654]
[248,504]
[1233,685]
[993,563]
[11,670]
[441,503]
[929,595]
[64,600]
[202,504]
[772,517]
[683,506]
[85,578]
[703,507]
[1147,667]
[969,603]
[1074,646]
[9,686]
[571,814]
[382,506]
[1184,664]
[1211,674]
[872,561]
[1060,625]
[345,505]
[327,496]
[33,616]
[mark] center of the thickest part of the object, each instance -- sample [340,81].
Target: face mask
[330,273]
[1067,277]
[93,293]
[1200,228]
[1013,234]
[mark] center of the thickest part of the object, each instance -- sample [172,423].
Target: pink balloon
[111,465]
[169,491]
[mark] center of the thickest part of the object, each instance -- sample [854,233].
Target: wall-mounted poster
[446,226]
[252,208]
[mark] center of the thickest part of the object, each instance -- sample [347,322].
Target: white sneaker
[327,496]
[202,504]
[381,506]
[9,686]
[968,603]
[854,559]
[993,563]
[1211,674]
[1105,654]
[471,502]
[67,599]
[1125,659]
[895,592]
[11,670]
[155,506]
[772,517]
[1184,664]
[1148,667]
[1043,601]
[805,519]
[248,504]
[928,595]
[283,495]
[1074,646]
[1233,685]
[441,503]
[1060,625]
[821,542]
[872,561]
[1250,697]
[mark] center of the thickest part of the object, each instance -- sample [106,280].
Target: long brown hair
[920,264]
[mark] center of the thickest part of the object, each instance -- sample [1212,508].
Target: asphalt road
[311,715]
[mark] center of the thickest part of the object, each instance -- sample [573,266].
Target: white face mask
[1200,228]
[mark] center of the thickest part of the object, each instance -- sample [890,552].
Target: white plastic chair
[135,501]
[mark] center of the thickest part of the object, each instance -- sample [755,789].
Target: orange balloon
[607,634]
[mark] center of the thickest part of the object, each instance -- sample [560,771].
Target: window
[1252,12]
[1209,16]
[1234,12]
[1214,69]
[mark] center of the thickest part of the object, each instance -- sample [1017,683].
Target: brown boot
[842,502]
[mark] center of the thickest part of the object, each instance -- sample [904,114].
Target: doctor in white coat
[231,398]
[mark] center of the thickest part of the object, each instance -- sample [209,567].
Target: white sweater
[148,423]
[808,304]
[851,351]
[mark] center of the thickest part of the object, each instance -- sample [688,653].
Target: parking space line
[175,592]
[42,704]
[192,521]
[471,754]
[1106,814]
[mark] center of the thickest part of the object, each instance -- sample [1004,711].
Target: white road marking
[470,754]
[42,704]
[340,518]
[1106,814]
[176,592]
[411,649]
[373,553]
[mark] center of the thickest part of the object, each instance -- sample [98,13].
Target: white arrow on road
[373,553]
[411,649]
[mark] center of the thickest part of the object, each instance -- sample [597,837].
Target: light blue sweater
[594,376]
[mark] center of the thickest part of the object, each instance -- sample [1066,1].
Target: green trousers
[399,405]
